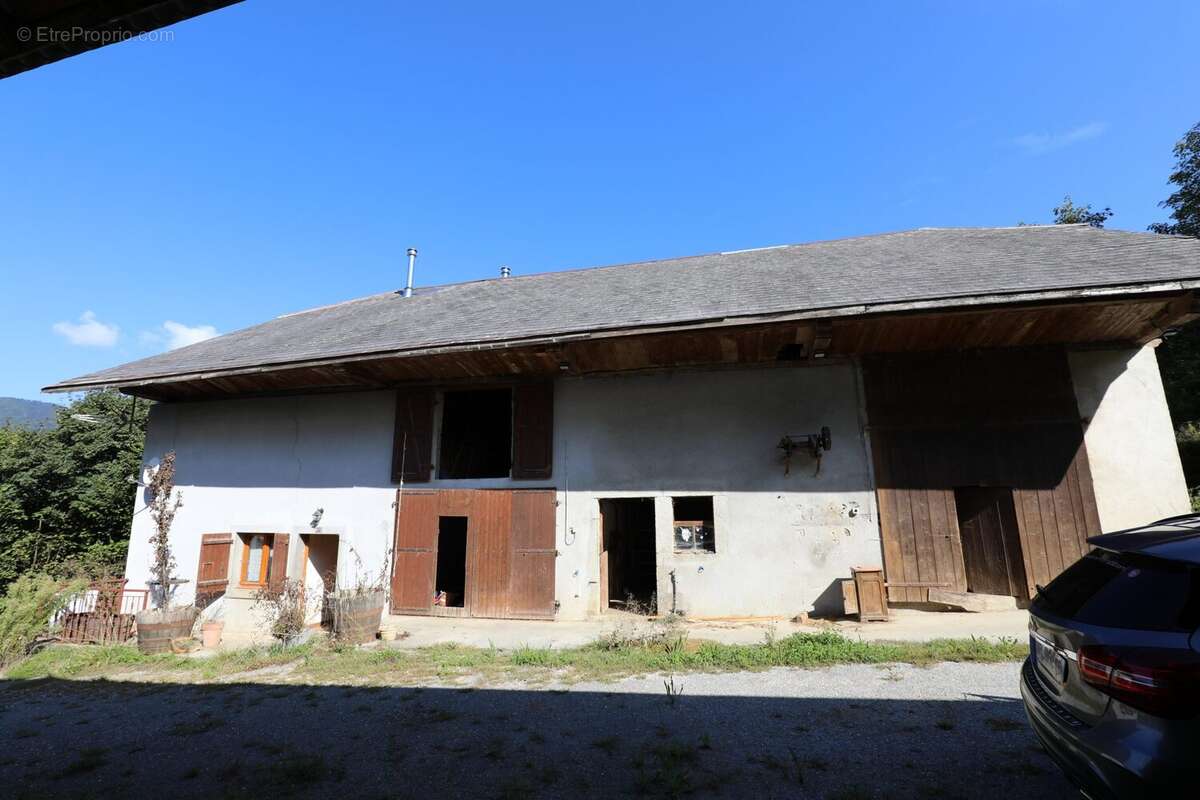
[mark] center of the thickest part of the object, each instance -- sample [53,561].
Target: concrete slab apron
[905,625]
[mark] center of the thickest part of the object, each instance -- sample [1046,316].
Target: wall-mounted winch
[813,443]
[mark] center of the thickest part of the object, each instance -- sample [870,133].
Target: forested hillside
[26,413]
[65,494]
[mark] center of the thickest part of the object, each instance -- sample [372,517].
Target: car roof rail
[1192,517]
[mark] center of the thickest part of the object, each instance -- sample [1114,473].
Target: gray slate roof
[940,264]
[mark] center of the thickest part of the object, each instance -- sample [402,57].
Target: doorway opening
[318,572]
[450,583]
[991,543]
[628,580]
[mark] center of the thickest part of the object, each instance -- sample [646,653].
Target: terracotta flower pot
[210,633]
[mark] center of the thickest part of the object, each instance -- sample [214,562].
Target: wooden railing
[102,614]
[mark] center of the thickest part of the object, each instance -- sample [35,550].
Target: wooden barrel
[156,629]
[356,617]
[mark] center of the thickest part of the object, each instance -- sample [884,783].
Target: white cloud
[175,334]
[1036,144]
[88,332]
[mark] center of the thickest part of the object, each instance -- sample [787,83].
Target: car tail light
[1165,683]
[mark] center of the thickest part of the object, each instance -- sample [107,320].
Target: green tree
[1070,214]
[1179,356]
[64,492]
[1184,202]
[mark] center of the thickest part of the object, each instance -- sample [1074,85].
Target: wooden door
[531,579]
[415,556]
[605,558]
[510,551]
[991,543]
[489,553]
[994,418]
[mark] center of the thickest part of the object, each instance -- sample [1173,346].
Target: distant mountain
[26,413]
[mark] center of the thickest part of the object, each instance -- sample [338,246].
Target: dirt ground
[847,732]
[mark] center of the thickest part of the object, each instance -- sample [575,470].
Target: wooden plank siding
[1003,418]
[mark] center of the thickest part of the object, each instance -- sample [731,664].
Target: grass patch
[196,727]
[77,661]
[89,759]
[66,661]
[1002,725]
[303,769]
[599,661]
[608,744]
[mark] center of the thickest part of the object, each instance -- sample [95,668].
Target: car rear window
[1123,590]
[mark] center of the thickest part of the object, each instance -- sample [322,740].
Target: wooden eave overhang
[34,33]
[1121,315]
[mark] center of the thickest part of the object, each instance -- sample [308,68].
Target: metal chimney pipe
[505,271]
[412,260]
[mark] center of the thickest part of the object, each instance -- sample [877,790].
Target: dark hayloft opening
[476,437]
[452,560]
[792,351]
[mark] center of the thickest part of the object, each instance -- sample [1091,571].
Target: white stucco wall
[780,540]
[268,464]
[1129,438]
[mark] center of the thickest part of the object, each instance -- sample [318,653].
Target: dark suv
[1112,682]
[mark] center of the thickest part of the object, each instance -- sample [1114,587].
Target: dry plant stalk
[286,607]
[162,511]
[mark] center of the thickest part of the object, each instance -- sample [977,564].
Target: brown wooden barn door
[488,553]
[212,576]
[978,418]
[991,543]
[531,578]
[415,556]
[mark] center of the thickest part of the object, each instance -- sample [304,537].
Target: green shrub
[26,609]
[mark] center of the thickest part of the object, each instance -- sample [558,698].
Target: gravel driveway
[948,731]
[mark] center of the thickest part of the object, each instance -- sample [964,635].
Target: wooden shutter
[415,557]
[279,559]
[533,431]
[212,575]
[531,570]
[412,443]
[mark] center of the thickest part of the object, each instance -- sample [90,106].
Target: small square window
[693,525]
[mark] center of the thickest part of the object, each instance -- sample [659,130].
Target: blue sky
[274,156]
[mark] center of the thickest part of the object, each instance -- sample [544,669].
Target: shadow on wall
[682,441]
[250,740]
[831,602]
